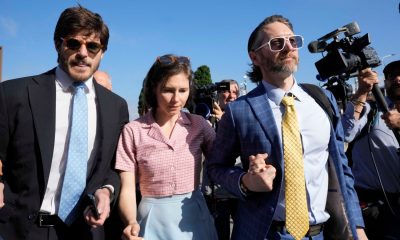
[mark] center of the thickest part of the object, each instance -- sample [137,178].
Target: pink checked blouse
[165,166]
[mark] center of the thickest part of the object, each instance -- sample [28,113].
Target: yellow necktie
[297,222]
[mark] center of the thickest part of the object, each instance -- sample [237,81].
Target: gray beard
[283,69]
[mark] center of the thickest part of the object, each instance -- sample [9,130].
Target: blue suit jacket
[248,128]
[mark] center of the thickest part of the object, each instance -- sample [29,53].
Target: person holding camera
[224,97]
[220,202]
[163,150]
[295,182]
[374,152]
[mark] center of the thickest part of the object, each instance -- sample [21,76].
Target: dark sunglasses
[277,44]
[75,44]
[168,60]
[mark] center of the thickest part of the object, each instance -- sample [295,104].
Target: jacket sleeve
[221,161]
[352,204]
[352,127]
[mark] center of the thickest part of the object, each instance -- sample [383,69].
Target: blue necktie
[75,172]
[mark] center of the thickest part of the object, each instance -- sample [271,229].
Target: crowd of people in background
[270,163]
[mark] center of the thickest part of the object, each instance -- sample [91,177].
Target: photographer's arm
[217,111]
[366,80]
[356,114]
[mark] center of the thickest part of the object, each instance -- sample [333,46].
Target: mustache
[80,62]
[287,56]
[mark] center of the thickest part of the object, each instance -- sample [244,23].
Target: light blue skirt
[177,217]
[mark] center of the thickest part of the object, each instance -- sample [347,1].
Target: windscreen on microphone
[316,46]
[319,78]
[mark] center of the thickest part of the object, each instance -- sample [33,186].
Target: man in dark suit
[36,116]
[252,127]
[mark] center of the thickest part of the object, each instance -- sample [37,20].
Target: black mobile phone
[93,206]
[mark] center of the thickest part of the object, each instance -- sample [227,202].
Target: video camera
[206,95]
[344,56]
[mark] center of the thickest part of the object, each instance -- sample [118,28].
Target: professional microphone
[380,99]
[319,78]
[316,46]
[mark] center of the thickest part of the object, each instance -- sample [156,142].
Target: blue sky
[210,32]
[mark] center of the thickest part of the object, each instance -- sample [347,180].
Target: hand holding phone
[93,206]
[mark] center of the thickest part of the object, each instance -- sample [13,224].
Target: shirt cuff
[111,189]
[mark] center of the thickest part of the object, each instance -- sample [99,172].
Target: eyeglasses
[75,44]
[277,44]
[170,59]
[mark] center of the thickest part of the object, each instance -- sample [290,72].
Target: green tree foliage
[202,76]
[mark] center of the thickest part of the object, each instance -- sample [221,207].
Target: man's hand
[361,234]
[131,232]
[392,119]
[102,196]
[217,111]
[260,177]
[366,80]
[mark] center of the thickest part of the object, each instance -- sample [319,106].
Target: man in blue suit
[251,129]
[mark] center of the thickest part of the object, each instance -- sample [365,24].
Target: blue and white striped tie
[75,173]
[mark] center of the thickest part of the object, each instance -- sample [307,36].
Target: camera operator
[225,97]
[220,202]
[375,153]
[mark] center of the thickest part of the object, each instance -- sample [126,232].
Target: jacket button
[32,216]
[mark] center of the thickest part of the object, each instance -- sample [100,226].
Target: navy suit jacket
[27,131]
[247,128]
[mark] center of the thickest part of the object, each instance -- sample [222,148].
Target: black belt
[47,220]
[313,230]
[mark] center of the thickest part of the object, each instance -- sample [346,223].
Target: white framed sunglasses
[277,44]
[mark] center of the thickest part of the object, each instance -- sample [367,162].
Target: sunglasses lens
[184,60]
[73,44]
[93,47]
[296,41]
[168,60]
[277,43]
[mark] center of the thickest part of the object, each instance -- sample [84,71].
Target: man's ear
[254,58]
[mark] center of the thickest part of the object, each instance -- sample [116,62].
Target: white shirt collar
[65,81]
[276,94]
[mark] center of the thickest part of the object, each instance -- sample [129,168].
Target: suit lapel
[263,112]
[42,97]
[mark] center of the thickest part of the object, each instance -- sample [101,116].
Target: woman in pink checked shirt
[163,150]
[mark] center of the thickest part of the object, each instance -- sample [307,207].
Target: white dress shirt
[64,95]
[315,133]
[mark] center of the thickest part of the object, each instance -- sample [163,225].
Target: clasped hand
[260,176]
